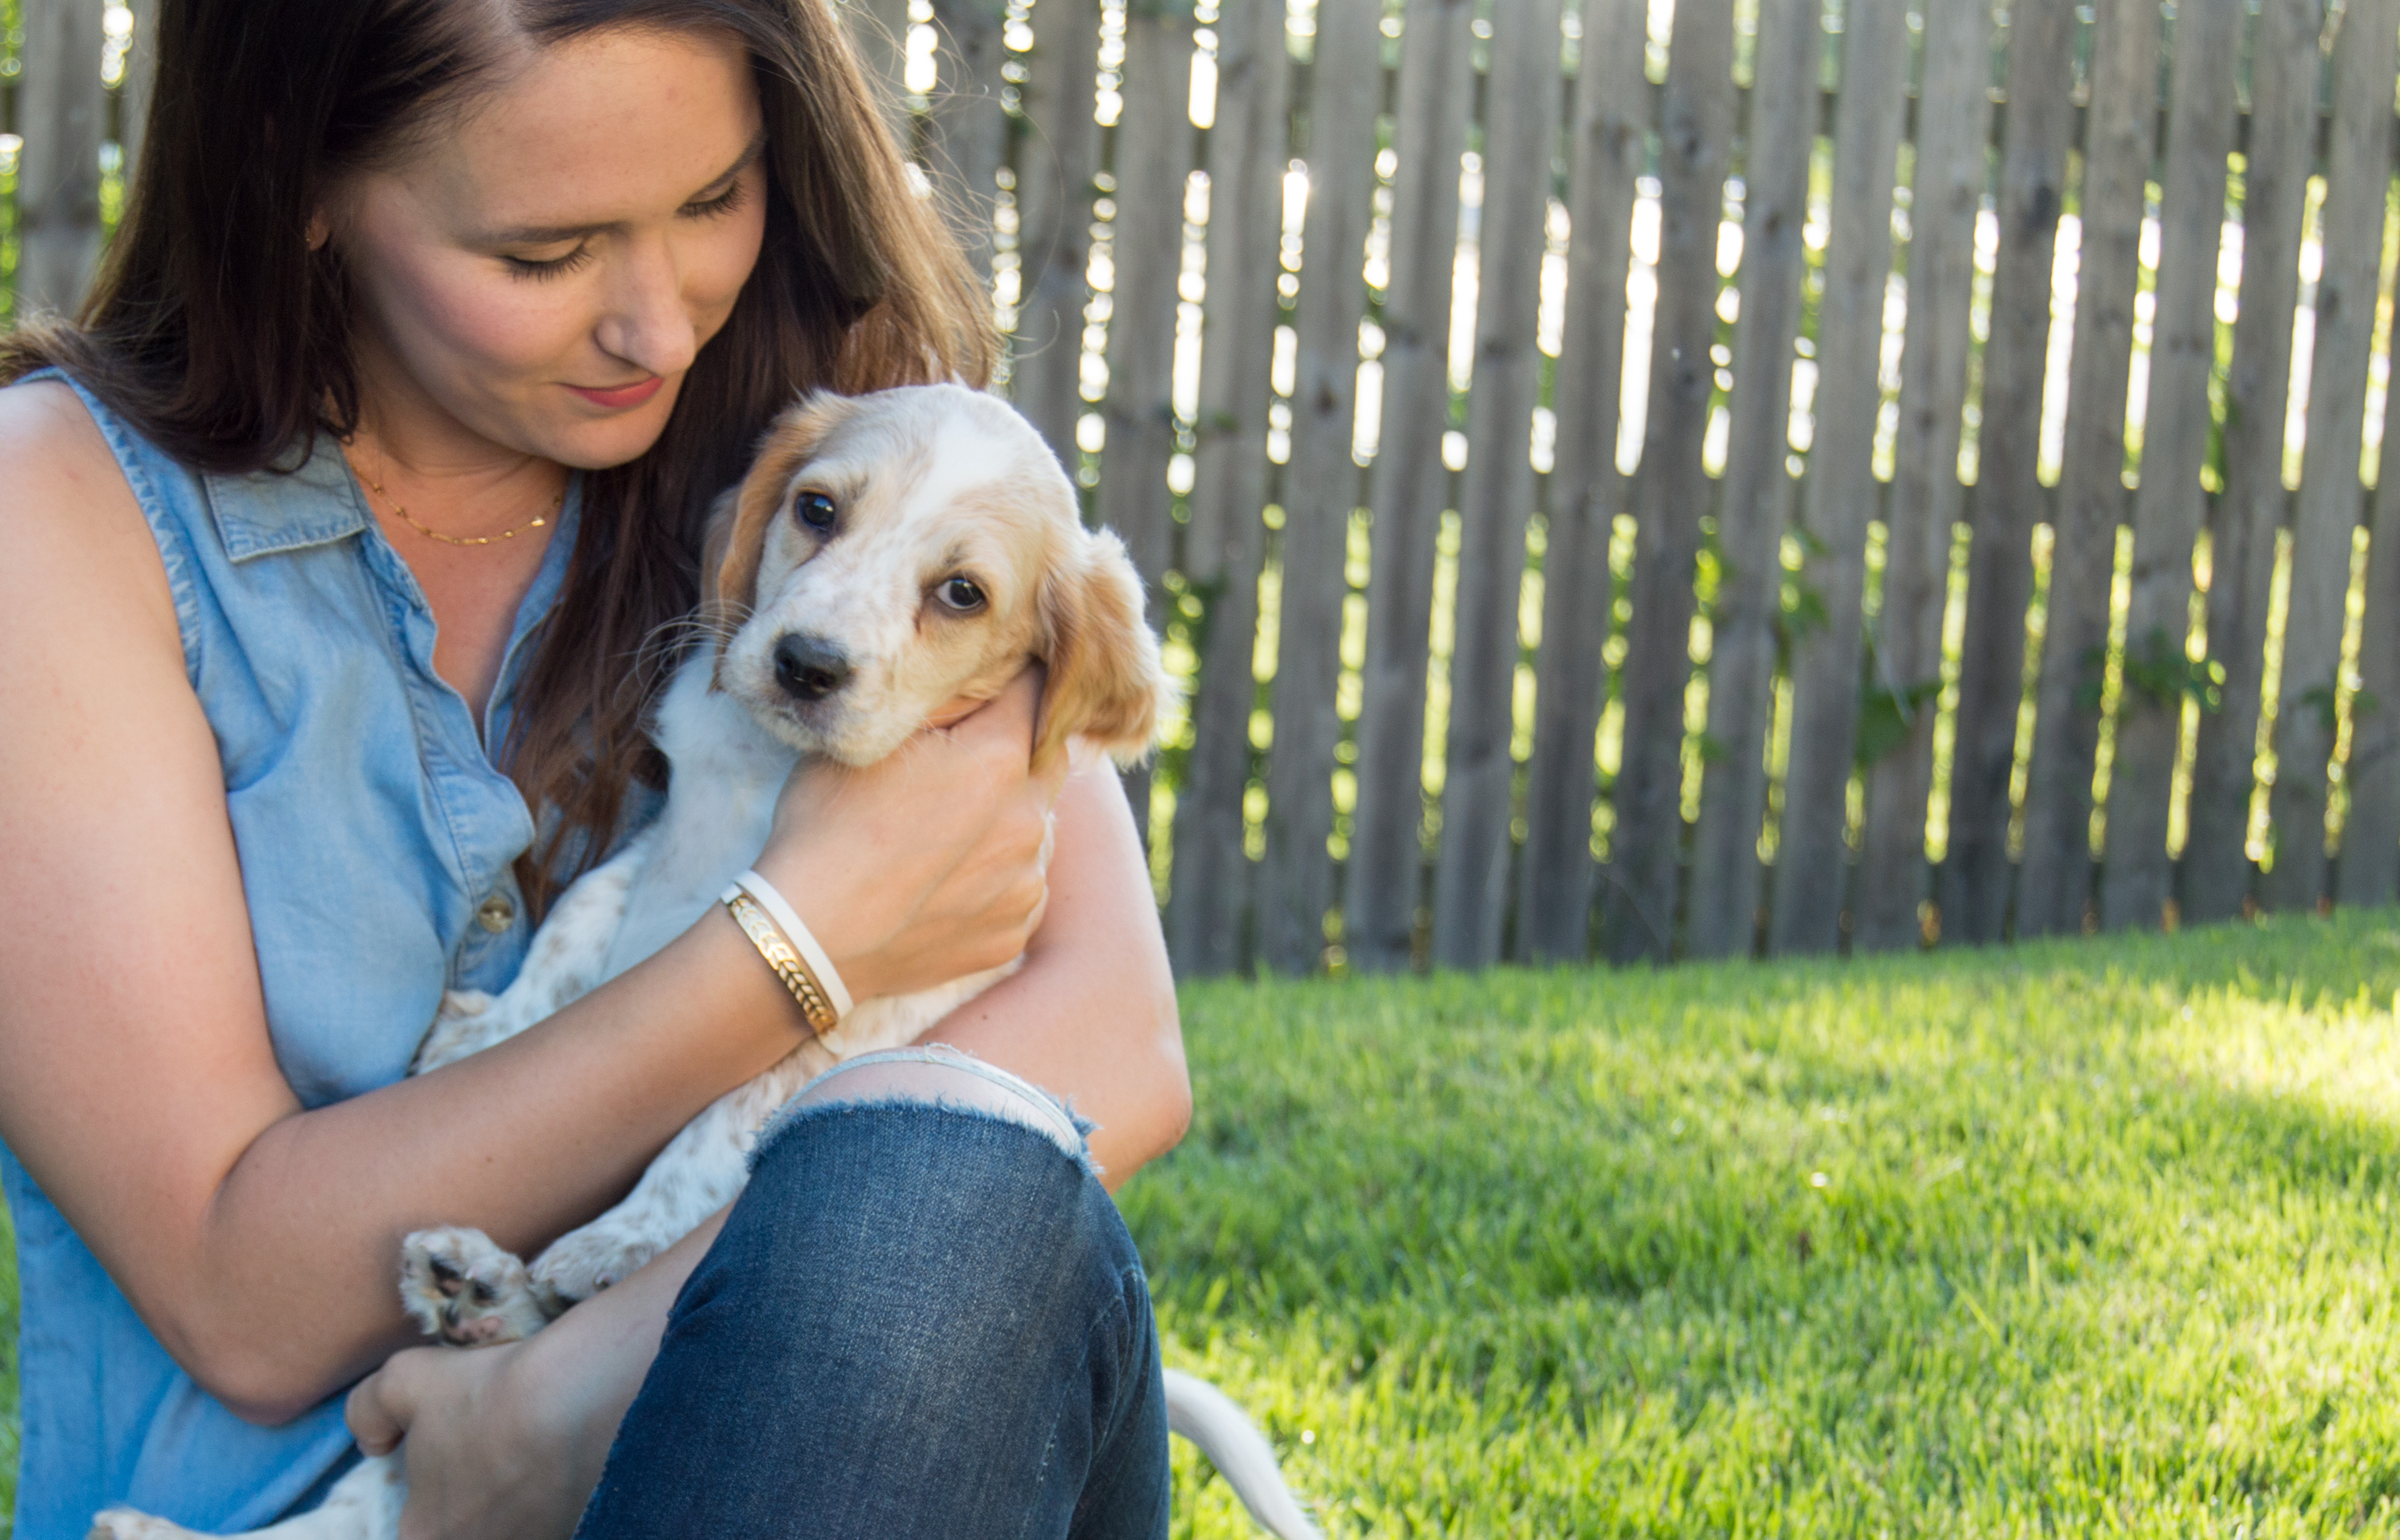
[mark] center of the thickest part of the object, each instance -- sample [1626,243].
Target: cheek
[715,258]
[462,328]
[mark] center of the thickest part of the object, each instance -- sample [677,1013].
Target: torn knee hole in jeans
[942,1078]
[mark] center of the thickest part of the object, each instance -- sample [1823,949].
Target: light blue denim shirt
[377,841]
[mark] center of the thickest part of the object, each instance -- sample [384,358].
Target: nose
[810,668]
[647,322]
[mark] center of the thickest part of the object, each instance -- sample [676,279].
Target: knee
[943,1236]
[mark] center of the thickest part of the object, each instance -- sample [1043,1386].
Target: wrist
[835,925]
[566,1399]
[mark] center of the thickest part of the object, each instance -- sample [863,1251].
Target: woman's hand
[507,1443]
[927,866]
[484,1456]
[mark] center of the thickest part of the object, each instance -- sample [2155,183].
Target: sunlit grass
[2074,1238]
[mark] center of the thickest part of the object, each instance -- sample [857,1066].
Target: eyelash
[553,267]
[722,204]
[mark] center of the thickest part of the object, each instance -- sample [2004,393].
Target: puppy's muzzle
[810,668]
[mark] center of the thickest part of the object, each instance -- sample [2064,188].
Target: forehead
[954,462]
[593,129]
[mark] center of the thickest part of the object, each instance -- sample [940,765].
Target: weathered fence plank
[1606,154]
[2242,535]
[1756,497]
[2137,877]
[1154,158]
[60,98]
[1695,141]
[1321,486]
[967,128]
[1055,218]
[1152,161]
[1214,568]
[2008,488]
[2054,880]
[2369,872]
[2358,182]
[1521,138]
[1248,149]
[1809,858]
[1409,487]
[1953,166]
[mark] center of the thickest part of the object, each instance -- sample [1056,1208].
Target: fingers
[383,1405]
[1003,727]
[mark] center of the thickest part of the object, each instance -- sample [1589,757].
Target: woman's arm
[511,1440]
[1091,1016]
[137,1080]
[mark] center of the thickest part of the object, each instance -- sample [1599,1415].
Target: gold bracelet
[780,956]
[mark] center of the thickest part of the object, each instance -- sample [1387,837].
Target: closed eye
[960,594]
[558,266]
[709,208]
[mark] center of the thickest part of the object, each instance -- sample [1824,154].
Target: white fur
[732,739]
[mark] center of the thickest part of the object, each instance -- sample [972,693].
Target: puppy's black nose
[810,668]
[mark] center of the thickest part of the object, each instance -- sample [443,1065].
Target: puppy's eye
[959,594]
[816,511]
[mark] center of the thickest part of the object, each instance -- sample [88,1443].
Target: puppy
[885,555]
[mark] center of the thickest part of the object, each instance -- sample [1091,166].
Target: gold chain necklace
[430,532]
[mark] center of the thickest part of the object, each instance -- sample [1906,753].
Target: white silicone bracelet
[764,894]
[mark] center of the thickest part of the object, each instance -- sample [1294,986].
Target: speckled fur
[930,481]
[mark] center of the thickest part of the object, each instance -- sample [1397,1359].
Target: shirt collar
[266,512]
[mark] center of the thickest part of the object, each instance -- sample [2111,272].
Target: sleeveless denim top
[375,841]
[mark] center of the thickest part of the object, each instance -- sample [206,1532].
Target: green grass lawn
[2078,1239]
[2082,1238]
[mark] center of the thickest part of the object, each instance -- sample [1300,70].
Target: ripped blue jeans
[924,1317]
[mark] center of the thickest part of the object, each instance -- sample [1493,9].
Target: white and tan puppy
[887,555]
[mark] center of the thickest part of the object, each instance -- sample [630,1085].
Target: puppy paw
[462,1005]
[457,1286]
[459,1028]
[591,1259]
[125,1524]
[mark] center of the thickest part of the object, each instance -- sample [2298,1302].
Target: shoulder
[69,519]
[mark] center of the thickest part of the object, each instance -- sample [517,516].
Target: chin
[603,443]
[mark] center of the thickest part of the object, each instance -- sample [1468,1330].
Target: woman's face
[541,274]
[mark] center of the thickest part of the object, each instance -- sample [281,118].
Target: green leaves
[1887,716]
[2159,673]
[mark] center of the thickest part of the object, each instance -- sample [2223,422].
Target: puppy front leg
[703,1168]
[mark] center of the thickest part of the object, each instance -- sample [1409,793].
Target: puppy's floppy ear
[1106,682]
[789,444]
[715,543]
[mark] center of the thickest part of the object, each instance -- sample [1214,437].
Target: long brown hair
[223,339]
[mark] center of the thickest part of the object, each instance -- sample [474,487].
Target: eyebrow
[550,235]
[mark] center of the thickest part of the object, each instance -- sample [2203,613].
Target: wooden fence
[1674,479]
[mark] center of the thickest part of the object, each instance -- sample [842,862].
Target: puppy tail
[1207,1416]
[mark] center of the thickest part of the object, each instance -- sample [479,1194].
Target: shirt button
[497,913]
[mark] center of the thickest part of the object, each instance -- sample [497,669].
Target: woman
[376,463]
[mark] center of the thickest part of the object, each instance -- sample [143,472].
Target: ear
[1106,681]
[789,444]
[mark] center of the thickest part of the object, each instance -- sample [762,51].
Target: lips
[622,398]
